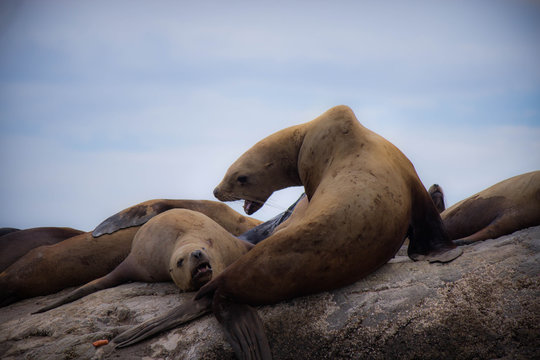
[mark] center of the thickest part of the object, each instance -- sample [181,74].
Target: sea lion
[85,257]
[7,230]
[183,245]
[437,195]
[501,209]
[261,232]
[364,198]
[17,243]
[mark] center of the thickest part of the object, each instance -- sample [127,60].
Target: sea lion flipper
[243,328]
[115,277]
[188,311]
[428,238]
[132,216]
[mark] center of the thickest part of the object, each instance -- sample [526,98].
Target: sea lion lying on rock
[183,245]
[364,198]
[508,206]
[15,244]
[85,257]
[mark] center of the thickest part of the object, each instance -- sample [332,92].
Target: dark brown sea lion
[364,198]
[82,258]
[15,244]
[183,245]
[7,230]
[437,195]
[501,209]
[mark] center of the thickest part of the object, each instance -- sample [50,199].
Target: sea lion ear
[270,164]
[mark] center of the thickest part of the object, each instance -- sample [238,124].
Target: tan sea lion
[82,258]
[437,195]
[183,245]
[17,243]
[364,198]
[501,209]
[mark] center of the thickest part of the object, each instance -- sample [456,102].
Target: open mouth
[202,270]
[201,274]
[251,206]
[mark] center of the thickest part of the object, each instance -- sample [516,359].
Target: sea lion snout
[196,254]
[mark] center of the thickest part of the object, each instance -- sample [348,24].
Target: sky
[105,104]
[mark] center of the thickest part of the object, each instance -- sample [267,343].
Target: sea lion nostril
[196,254]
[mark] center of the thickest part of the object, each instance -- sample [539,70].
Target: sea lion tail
[188,311]
[115,277]
[243,328]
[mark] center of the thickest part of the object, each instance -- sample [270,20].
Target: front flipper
[243,328]
[188,311]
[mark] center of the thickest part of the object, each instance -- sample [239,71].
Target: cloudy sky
[104,104]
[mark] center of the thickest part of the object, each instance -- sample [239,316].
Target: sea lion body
[14,245]
[82,258]
[501,209]
[180,245]
[363,194]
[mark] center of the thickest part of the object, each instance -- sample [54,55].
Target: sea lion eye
[242,179]
[180,262]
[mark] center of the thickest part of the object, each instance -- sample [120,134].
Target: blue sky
[104,104]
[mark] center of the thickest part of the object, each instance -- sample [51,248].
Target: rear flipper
[116,277]
[243,328]
[498,227]
[188,311]
[428,239]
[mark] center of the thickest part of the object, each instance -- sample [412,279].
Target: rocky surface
[484,305]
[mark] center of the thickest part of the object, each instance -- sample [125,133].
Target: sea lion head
[269,165]
[191,266]
[437,195]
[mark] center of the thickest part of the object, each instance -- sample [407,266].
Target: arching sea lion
[82,258]
[501,209]
[364,198]
[183,245]
[15,244]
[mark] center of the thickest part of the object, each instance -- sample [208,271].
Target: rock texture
[484,305]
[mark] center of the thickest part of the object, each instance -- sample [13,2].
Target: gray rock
[483,305]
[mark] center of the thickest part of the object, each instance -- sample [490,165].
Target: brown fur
[15,244]
[501,209]
[80,259]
